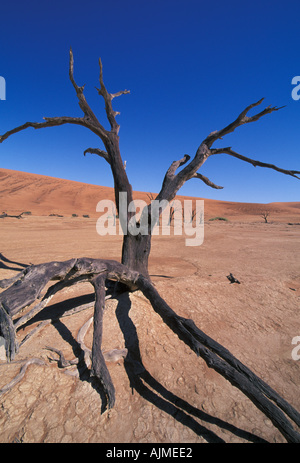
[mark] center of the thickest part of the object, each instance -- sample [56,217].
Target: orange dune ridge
[42,195]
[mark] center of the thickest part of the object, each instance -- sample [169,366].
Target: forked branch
[108,97]
[88,113]
[205,150]
[89,120]
[240,120]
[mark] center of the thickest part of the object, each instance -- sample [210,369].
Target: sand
[180,400]
[42,196]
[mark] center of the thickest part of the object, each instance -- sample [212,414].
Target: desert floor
[177,398]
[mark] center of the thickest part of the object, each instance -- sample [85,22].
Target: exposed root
[44,323]
[80,339]
[113,356]
[61,361]
[34,331]
[28,287]
[20,375]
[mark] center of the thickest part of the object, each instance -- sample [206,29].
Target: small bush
[86,216]
[219,218]
[74,215]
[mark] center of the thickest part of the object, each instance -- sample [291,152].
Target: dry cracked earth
[173,396]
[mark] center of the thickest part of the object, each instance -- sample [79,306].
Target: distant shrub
[86,216]
[219,218]
[74,215]
[27,213]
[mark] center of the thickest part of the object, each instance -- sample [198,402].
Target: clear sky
[191,65]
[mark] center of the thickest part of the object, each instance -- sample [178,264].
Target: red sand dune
[43,195]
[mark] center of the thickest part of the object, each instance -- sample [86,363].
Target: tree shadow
[4,261]
[84,372]
[57,309]
[141,380]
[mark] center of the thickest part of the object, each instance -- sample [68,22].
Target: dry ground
[178,398]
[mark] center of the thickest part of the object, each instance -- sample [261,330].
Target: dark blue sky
[191,66]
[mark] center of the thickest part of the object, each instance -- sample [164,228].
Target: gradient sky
[192,66]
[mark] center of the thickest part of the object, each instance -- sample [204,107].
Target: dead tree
[191,216]
[27,287]
[265,216]
[173,209]
[4,214]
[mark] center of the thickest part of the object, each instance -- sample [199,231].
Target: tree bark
[99,368]
[135,253]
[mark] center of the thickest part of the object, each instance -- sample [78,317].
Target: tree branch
[240,120]
[169,188]
[108,97]
[57,121]
[101,153]
[88,113]
[172,183]
[255,163]
[122,92]
[50,122]
[89,120]
[207,181]
[176,164]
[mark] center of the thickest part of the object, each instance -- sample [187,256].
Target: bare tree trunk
[136,248]
[135,253]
